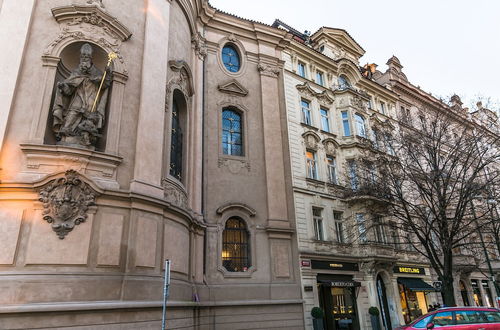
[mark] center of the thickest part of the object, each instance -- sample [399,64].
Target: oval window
[230,58]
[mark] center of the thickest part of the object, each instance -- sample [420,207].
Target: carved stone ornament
[199,44]
[66,201]
[181,78]
[329,145]
[358,102]
[233,165]
[306,90]
[89,23]
[174,193]
[324,98]
[311,140]
[268,69]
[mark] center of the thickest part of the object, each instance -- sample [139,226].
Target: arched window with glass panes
[232,132]
[235,246]
[176,136]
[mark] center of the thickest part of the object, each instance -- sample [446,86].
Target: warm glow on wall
[225,254]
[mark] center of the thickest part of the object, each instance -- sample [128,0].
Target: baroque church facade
[135,132]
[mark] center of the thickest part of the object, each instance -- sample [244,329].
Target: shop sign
[345,283]
[305,263]
[409,270]
[334,265]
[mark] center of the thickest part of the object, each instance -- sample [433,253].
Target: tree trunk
[447,291]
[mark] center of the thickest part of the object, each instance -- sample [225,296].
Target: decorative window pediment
[324,98]
[306,90]
[237,206]
[233,87]
[311,139]
[182,78]
[330,146]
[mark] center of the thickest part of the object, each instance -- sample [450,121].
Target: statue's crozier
[76,121]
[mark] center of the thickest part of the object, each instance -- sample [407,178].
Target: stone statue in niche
[80,103]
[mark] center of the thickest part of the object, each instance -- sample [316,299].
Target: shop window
[325,121]
[318,224]
[306,112]
[345,123]
[311,165]
[232,133]
[476,292]
[339,227]
[463,293]
[487,293]
[231,58]
[332,169]
[235,246]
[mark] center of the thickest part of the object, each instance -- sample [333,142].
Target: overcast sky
[445,46]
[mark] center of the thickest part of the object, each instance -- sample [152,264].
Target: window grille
[235,246]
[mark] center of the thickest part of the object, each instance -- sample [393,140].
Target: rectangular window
[311,163]
[332,169]
[318,224]
[389,142]
[339,227]
[353,175]
[319,78]
[382,107]
[301,69]
[306,112]
[370,105]
[360,222]
[379,230]
[325,123]
[360,125]
[345,123]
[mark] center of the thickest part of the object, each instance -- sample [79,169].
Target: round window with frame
[231,58]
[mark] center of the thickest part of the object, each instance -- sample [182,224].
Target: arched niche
[68,61]
[79,25]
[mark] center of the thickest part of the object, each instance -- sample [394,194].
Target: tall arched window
[232,129]
[176,137]
[235,246]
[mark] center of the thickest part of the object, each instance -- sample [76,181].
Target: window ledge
[309,126]
[315,181]
[328,133]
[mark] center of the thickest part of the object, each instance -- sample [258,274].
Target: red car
[457,318]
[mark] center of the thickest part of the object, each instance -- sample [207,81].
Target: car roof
[468,308]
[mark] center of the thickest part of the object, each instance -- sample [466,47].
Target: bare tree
[433,178]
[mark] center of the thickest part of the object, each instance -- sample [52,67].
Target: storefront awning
[415,284]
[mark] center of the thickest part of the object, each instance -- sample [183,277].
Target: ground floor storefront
[346,289]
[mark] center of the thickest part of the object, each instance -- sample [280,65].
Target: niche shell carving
[65,202]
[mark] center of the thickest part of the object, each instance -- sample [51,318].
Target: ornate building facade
[134,132]
[352,255]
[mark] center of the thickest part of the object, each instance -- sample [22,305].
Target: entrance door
[382,301]
[339,304]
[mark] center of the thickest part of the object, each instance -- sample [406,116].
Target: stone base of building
[111,315]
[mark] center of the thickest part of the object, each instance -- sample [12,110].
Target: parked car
[457,318]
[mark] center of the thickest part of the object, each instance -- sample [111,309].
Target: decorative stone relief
[234,166]
[174,193]
[324,98]
[89,23]
[199,44]
[181,78]
[232,37]
[329,145]
[268,69]
[311,140]
[306,90]
[358,102]
[66,201]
